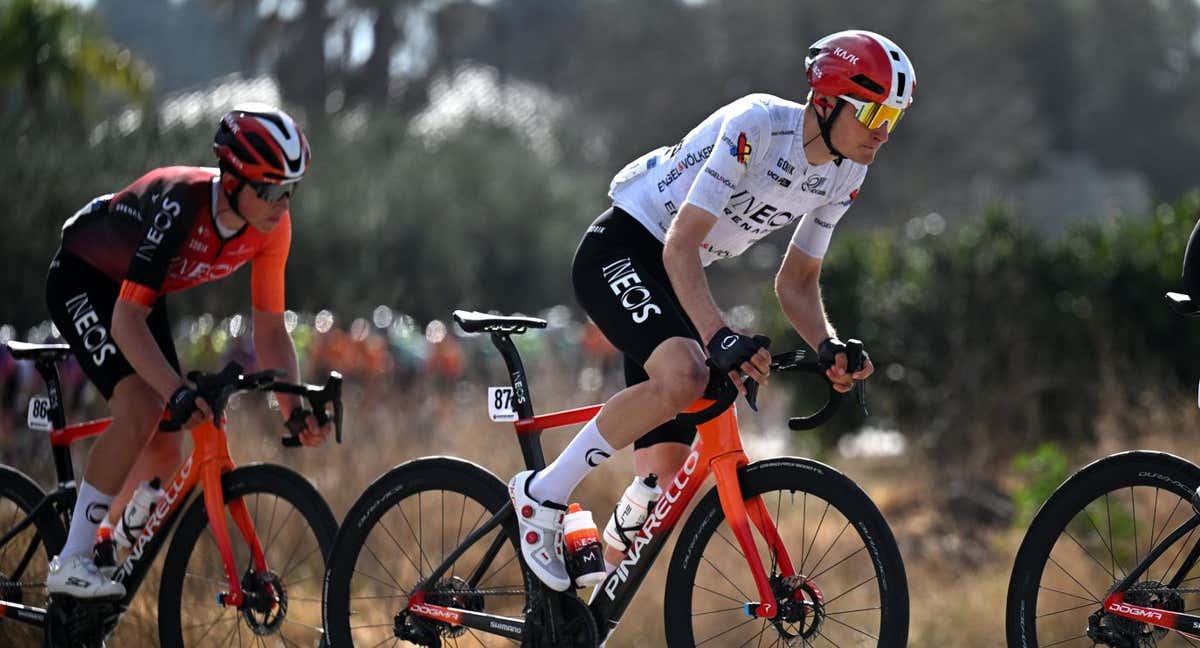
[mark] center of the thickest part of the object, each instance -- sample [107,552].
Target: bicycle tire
[1113,474]
[481,494]
[815,480]
[19,496]
[302,558]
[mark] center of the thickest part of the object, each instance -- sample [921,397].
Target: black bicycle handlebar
[789,361]
[217,388]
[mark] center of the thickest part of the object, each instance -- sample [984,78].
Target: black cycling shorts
[621,283]
[81,300]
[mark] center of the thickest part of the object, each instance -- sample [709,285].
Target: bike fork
[738,516]
[214,505]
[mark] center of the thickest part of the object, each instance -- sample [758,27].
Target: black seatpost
[58,419]
[531,443]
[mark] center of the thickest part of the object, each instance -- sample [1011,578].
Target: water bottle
[137,511]
[585,556]
[631,512]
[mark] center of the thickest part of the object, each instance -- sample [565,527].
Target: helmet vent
[895,55]
[264,151]
[902,84]
[866,82]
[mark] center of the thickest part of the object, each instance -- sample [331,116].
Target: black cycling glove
[829,349]
[728,350]
[180,408]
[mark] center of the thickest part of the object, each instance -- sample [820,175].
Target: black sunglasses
[273,192]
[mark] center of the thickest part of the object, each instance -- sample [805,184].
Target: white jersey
[745,164]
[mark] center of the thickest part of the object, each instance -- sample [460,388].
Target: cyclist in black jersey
[759,164]
[173,228]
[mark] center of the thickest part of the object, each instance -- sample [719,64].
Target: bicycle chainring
[575,625]
[1120,632]
[72,623]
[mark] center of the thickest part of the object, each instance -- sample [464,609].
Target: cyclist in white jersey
[754,166]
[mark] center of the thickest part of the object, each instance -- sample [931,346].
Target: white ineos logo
[729,341]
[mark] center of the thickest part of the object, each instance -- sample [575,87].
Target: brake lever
[854,358]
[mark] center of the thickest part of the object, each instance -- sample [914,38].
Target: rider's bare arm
[798,288]
[681,257]
[137,343]
[275,350]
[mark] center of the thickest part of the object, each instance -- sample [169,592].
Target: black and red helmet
[261,144]
[863,66]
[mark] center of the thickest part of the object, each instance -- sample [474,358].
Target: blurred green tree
[53,54]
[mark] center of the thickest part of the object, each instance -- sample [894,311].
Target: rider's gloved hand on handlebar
[735,353]
[832,351]
[186,409]
[303,425]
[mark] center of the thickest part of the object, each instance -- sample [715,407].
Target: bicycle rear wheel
[296,529]
[850,588]
[1098,525]
[25,558]
[402,528]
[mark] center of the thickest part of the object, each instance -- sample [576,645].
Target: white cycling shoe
[541,525]
[78,576]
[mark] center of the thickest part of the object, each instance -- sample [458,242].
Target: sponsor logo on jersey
[87,325]
[812,184]
[193,271]
[853,196]
[785,166]
[128,210]
[167,213]
[784,182]
[741,150]
[625,283]
[670,207]
[723,180]
[197,245]
[683,164]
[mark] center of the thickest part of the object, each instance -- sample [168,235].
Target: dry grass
[957,572]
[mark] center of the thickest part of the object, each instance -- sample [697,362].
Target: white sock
[557,481]
[90,509]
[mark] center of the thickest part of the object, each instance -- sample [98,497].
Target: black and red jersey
[160,235]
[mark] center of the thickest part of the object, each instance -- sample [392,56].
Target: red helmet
[862,66]
[261,144]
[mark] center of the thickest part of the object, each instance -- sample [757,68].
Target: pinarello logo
[741,151]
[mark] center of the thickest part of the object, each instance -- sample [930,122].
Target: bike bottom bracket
[266,602]
[80,624]
[1120,632]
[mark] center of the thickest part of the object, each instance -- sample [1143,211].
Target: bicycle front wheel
[849,587]
[25,558]
[404,527]
[295,528]
[1100,524]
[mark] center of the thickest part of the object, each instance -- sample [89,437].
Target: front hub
[801,608]
[266,602]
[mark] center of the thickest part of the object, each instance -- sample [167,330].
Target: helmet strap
[825,124]
[231,184]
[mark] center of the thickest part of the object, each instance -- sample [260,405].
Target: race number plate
[39,414]
[500,404]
